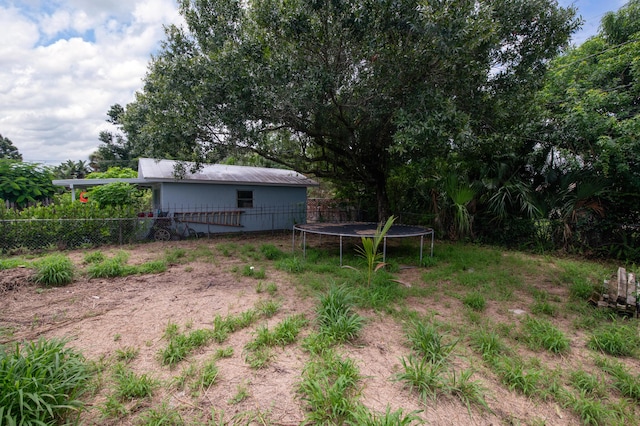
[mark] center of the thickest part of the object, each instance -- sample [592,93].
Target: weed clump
[41,382]
[54,270]
[615,339]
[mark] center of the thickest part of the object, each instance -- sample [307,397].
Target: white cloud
[53,24]
[66,63]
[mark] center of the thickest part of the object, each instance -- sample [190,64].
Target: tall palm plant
[577,196]
[460,194]
[370,248]
[506,193]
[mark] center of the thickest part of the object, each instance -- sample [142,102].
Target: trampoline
[361,229]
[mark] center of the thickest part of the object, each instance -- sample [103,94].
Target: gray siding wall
[274,207]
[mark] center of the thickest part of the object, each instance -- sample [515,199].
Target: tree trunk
[382,199]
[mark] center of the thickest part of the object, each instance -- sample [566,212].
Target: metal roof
[87,183]
[163,171]
[151,171]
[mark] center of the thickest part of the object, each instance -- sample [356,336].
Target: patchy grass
[461,343]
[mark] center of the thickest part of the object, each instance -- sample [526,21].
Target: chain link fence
[62,234]
[180,222]
[23,235]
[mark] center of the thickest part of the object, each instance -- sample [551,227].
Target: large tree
[589,138]
[116,150]
[8,150]
[347,90]
[24,183]
[71,170]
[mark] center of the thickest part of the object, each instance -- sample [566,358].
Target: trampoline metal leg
[304,245]
[421,244]
[340,250]
[432,237]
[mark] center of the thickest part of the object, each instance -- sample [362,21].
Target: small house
[217,197]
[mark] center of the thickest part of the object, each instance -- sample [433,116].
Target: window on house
[245,199]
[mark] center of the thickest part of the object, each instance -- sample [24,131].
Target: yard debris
[619,293]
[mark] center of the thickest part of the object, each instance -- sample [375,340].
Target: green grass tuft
[271,252]
[130,385]
[421,375]
[540,333]
[335,315]
[488,343]
[54,270]
[615,339]
[329,388]
[475,301]
[41,382]
[428,343]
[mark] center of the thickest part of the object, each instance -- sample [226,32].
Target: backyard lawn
[240,330]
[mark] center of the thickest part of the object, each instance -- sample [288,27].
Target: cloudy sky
[63,63]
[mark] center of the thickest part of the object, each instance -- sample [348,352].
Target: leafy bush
[41,382]
[54,270]
[115,194]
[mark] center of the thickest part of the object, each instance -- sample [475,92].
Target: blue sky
[592,12]
[63,63]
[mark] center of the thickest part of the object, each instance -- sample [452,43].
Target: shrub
[40,382]
[54,270]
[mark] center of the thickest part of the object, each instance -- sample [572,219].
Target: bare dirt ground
[100,316]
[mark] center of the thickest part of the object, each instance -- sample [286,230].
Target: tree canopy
[22,183]
[348,90]
[115,150]
[8,150]
[71,170]
[114,172]
[589,148]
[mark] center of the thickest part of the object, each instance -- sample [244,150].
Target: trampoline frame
[367,229]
